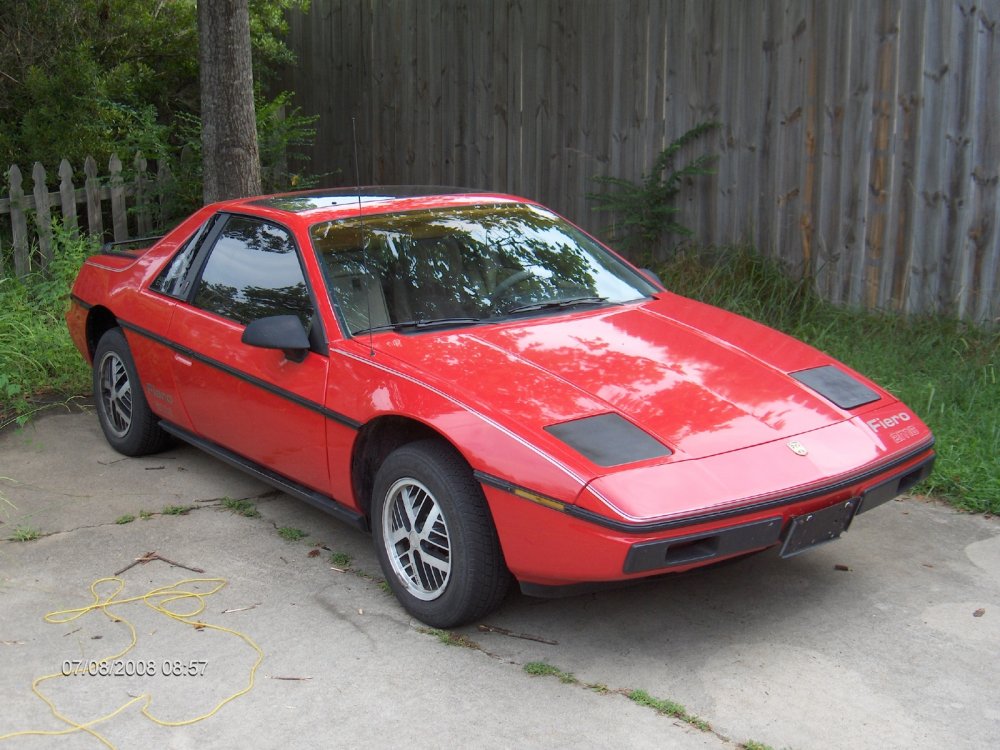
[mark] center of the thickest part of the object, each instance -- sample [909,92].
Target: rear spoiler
[121,247]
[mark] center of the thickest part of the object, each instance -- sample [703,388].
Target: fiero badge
[884,423]
[900,432]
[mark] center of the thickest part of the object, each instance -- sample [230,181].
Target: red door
[254,402]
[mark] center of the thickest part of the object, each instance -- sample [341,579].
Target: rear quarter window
[176,279]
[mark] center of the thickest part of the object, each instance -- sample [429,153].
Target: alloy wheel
[416,539]
[116,394]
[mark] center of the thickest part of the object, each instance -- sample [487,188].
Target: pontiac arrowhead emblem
[797,448]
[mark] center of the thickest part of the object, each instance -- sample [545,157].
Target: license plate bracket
[812,529]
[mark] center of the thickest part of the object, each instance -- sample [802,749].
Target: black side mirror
[653,277]
[283,332]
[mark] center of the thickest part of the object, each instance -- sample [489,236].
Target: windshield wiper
[557,303]
[422,323]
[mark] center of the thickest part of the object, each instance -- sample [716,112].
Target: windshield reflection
[465,264]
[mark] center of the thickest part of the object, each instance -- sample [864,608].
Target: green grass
[449,638]
[177,510]
[241,507]
[291,534]
[25,534]
[127,518]
[145,515]
[667,707]
[543,669]
[37,357]
[660,705]
[6,505]
[946,371]
[340,559]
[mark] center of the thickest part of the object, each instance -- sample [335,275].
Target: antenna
[361,223]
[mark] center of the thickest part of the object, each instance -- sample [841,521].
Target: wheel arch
[376,440]
[100,320]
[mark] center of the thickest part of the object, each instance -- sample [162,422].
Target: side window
[177,277]
[253,272]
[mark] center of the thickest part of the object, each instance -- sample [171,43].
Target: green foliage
[241,507]
[281,131]
[646,211]
[25,534]
[127,518]
[93,77]
[340,559]
[89,76]
[6,505]
[448,638]
[946,370]
[36,353]
[543,669]
[177,510]
[268,30]
[290,533]
[667,707]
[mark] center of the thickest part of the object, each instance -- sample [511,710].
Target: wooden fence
[133,208]
[860,139]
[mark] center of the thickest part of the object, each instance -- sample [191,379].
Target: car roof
[313,206]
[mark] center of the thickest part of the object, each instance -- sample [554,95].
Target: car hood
[698,379]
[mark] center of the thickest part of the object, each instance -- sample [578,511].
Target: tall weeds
[36,354]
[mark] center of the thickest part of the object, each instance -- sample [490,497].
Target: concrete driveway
[889,638]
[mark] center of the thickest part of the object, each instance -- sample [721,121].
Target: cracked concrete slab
[60,473]
[797,653]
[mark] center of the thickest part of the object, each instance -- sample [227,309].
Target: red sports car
[490,390]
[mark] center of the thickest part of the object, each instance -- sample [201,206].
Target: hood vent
[837,386]
[609,440]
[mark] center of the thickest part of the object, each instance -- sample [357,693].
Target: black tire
[455,572]
[128,423]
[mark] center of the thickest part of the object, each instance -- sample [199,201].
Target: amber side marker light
[541,500]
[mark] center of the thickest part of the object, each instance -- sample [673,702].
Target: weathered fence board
[95,217]
[18,223]
[43,214]
[67,195]
[859,139]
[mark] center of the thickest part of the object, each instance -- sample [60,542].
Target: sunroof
[340,197]
[299,203]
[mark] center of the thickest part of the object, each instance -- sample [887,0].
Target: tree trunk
[230,158]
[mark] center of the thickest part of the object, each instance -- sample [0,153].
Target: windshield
[460,265]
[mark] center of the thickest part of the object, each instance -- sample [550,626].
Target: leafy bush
[646,211]
[281,130]
[96,77]
[96,63]
[36,353]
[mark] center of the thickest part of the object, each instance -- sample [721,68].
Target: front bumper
[555,548]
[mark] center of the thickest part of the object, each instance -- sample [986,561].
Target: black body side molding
[318,500]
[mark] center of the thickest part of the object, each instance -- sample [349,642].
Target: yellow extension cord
[160,600]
